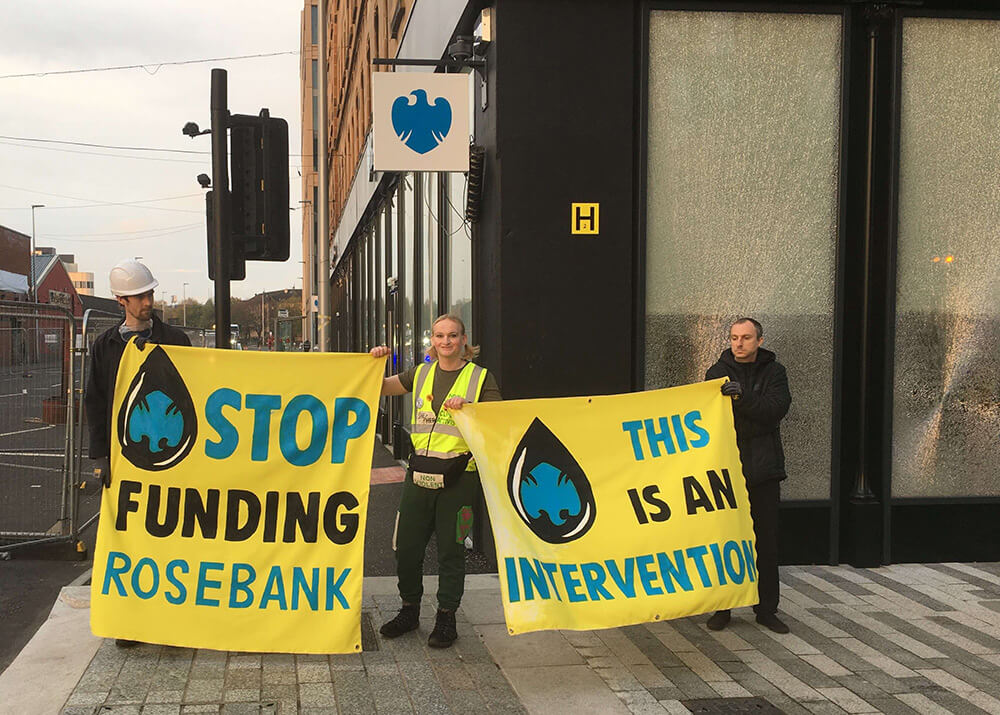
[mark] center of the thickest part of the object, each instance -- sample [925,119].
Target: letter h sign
[585,218]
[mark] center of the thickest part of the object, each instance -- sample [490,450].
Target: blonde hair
[468,353]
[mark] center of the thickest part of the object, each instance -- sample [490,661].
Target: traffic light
[259,195]
[237,263]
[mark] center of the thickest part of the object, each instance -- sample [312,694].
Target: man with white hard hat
[132,284]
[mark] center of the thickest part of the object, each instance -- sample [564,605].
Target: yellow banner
[235,519]
[614,510]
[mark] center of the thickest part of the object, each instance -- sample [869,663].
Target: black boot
[771,621]
[444,633]
[405,621]
[719,620]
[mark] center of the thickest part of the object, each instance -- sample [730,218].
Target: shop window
[945,411]
[407,244]
[742,206]
[458,247]
[383,268]
[374,289]
[362,304]
[429,246]
[404,299]
[348,316]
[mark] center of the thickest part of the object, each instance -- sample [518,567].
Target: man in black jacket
[758,386]
[132,284]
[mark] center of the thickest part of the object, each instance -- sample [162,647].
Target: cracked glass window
[743,172]
[946,439]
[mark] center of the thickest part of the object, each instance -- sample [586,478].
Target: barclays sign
[421,121]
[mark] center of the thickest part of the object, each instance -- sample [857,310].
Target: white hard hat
[129,277]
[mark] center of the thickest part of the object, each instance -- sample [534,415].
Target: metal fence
[38,373]
[93,324]
[44,362]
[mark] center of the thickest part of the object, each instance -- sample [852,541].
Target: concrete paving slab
[836,660]
[640,702]
[563,689]
[43,675]
[542,648]
[482,607]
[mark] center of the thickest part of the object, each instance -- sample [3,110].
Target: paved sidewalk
[898,639]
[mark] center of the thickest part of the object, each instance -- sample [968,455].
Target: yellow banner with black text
[617,509]
[235,518]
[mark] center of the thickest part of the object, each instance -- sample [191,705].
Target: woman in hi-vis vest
[440,487]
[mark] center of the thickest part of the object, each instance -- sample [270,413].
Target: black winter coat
[758,412]
[100,395]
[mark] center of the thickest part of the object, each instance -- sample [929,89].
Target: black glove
[733,389]
[102,471]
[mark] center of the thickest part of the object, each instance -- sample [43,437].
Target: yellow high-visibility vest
[435,434]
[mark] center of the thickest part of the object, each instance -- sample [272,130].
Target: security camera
[480,47]
[204,181]
[192,130]
[461,49]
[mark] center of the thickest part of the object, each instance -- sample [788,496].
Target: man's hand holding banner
[615,510]
[236,515]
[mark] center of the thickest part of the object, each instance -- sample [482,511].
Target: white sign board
[421,121]
[282,312]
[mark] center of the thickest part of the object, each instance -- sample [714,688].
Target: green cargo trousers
[446,513]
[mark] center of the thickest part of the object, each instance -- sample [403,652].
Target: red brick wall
[58,279]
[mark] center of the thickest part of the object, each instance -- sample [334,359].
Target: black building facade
[830,169]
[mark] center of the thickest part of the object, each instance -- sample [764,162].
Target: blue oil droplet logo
[157,422]
[548,488]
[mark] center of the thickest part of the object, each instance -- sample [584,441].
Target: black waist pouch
[436,472]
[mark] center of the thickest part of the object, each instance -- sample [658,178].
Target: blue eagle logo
[419,125]
[548,488]
[157,422]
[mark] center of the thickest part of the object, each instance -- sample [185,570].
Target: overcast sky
[137,108]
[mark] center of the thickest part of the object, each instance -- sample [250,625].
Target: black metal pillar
[220,206]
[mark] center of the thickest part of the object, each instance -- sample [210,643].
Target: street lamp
[184,303]
[31,256]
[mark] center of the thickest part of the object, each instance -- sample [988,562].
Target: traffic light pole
[220,206]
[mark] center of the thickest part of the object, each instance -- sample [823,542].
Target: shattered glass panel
[947,351]
[743,170]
